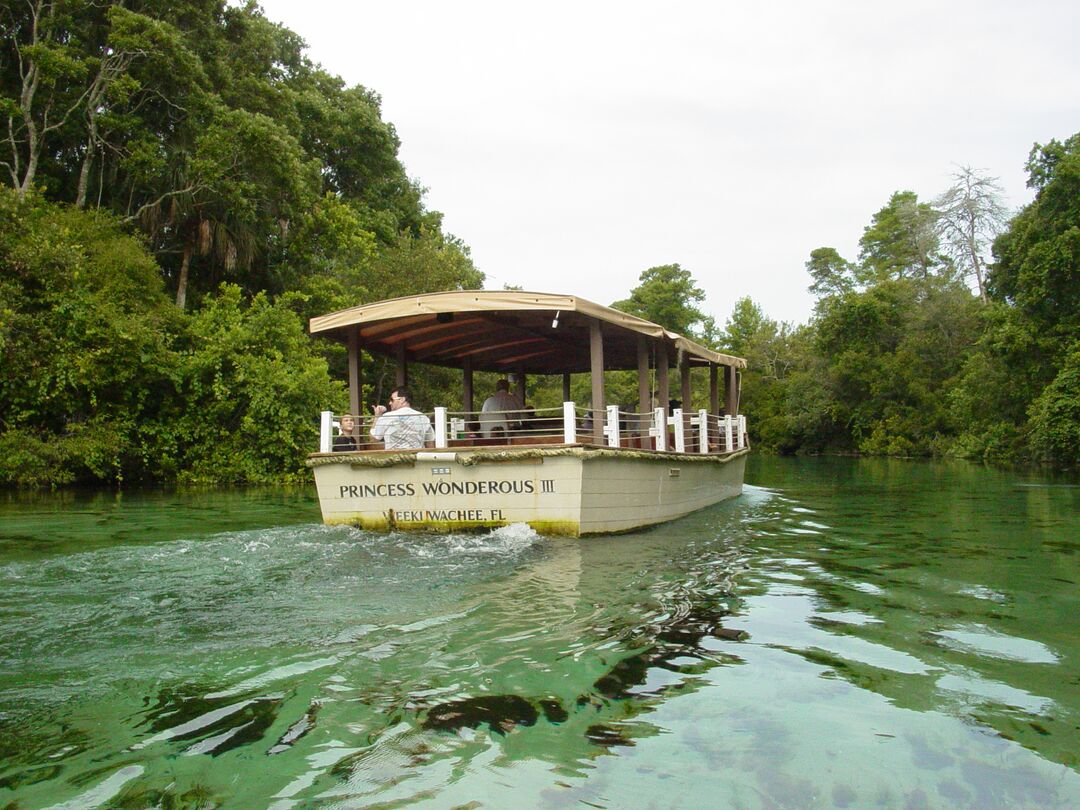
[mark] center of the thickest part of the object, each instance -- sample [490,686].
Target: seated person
[402,428]
[346,438]
[501,409]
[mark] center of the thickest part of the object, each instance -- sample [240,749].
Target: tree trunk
[976,265]
[979,279]
[31,162]
[182,283]
[31,78]
[84,174]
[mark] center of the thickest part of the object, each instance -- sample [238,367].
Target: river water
[846,634]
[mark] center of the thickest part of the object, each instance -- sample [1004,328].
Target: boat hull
[571,491]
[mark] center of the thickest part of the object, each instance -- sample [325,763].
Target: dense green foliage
[901,358]
[186,188]
[208,127]
[105,379]
[85,343]
[669,295]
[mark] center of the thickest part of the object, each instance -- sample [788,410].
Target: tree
[245,181]
[86,337]
[668,295]
[763,342]
[249,385]
[330,258]
[970,215]
[1036,280]
[143,72]
[430,262]
[205,125]
[42,82]
[1038,257]
[832,274]
[1055,416]
[901,241]
[746,323]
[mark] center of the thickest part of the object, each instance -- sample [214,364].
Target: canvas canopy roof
[507,331]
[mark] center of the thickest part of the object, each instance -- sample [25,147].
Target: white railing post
[659,429]
[729,439]
[703,431]
[742,432]
[326,431]
[440,427]
[569,423]
[676,421]
[612,426]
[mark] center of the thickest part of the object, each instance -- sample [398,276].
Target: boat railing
[680,431]
[333,436]
[525,426]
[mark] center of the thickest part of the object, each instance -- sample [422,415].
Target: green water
[845,634]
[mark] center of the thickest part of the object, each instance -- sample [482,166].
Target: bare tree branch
[192,189]
[970,215]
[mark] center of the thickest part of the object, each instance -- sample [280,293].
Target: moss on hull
[384,522]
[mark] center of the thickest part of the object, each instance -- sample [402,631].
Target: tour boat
[571,470]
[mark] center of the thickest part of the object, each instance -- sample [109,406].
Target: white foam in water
[516,535]
[505,540]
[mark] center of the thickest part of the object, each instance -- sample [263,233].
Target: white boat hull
[571,491]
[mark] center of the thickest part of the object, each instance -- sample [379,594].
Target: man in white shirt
[402,428]
[500,410]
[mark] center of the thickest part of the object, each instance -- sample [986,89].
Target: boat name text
[522,487]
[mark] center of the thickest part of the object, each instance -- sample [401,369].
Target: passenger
[501,409]
[402,428]
[345,441]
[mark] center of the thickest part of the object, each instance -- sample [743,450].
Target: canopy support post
[731,391]
[714,389]
[596,356]
[663,393]
[644,399]
[356,378]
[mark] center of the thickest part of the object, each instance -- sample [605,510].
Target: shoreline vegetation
[184,188]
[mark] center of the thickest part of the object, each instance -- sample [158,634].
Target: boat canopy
[497,330]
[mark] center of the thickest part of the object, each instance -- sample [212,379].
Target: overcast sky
[574,145]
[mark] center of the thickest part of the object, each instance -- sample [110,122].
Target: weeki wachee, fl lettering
[440,488]
[448,515]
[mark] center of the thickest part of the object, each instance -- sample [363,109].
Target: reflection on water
[846,634]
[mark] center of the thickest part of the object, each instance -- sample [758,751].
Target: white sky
[574,145]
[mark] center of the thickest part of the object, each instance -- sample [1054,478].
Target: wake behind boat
[571,470]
